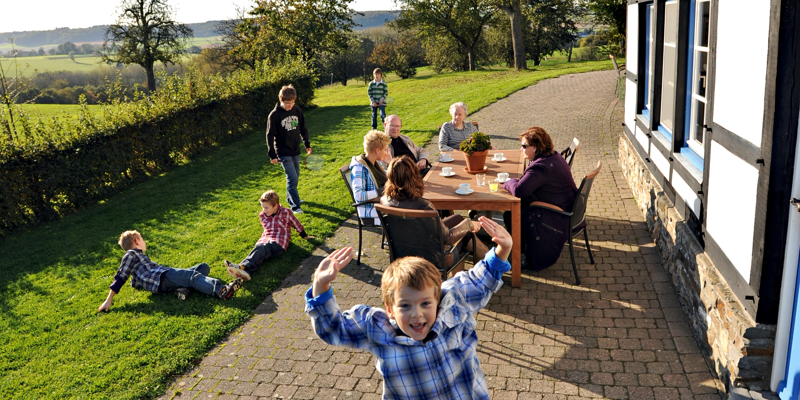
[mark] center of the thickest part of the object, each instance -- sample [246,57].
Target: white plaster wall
[630,104]
[632,44]
[687,194]
[661,162]
[741,67]
[732,187]
[644,141]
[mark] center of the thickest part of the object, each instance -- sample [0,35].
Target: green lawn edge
[54,344]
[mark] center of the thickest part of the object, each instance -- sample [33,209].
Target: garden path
[620,335]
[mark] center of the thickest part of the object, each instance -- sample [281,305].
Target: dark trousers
[259,254]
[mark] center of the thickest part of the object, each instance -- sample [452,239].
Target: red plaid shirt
[276,227]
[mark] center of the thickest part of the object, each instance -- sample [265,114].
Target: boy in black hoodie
[285,129]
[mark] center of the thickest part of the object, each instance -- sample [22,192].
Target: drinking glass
[493,186]
[481,179]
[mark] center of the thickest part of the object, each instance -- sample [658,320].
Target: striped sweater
[377,91]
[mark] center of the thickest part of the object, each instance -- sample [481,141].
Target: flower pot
[476,161]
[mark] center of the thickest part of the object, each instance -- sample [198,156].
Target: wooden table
[440,191]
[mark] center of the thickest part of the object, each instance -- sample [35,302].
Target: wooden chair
[577,218]
[620,68]
[345,171]
[569,152]
[420,233]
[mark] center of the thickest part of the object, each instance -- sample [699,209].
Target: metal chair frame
[345,171]
[576,217]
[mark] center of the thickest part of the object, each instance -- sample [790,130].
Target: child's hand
[309,237]
[273,160]
[308,150]
[475,225]
[499,236]
[374,104]
[105,306]
[329,268]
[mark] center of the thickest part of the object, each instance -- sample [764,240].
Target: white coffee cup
[447,170]
[464,187]
[446,157]
[498,156]
[502,176]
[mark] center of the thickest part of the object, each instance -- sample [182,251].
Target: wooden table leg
[516,264]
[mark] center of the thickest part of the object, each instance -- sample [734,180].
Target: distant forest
[30,39]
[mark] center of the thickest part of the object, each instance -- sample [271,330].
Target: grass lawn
[55,345]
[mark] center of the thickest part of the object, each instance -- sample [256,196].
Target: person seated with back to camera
[368,176]
[547,178]
[404,189]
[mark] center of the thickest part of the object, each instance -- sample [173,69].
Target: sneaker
[298,211]
[302,201]
[182,293]
[228,290]
[236,270]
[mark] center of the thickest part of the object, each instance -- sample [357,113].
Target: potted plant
[475,149]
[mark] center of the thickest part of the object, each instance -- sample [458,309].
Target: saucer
[446,161]
[499,181]
[500,160]
[464,193]
[483,171]
[443,174]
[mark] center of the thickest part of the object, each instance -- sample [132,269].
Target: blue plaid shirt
[145,274]
[444,367]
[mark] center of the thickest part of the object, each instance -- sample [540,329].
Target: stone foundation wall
[718,319]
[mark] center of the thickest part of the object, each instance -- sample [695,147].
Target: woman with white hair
[456,131]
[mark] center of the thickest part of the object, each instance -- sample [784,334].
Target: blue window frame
[648,50]
[696,78]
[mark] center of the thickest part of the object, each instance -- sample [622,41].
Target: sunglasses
[524,146]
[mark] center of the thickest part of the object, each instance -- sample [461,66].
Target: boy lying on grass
[425,340]
[147,275]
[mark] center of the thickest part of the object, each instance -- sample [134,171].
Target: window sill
[689,165]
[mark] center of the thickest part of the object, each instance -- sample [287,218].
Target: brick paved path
[620,335]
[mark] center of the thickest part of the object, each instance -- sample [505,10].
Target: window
[697,73]
[649,18]
[669,69]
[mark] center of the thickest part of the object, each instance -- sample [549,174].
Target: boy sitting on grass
[425,340]
[147,275]
[274,241]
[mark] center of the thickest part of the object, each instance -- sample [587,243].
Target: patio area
[621,334]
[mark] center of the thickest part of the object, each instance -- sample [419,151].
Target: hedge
[53,167]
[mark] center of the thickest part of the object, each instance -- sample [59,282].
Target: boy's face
[268,207]
[414,310]
[287,104]
[378,76]
[139,243]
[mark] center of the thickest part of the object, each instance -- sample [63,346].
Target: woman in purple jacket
[548,179]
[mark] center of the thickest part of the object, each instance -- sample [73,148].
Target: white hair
[459,104]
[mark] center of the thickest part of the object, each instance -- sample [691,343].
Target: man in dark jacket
[286,127]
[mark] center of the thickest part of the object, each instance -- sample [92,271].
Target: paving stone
[620,335]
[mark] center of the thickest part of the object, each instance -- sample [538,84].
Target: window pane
[669,65]
[700,118]
[668,87]
[702,70]
[702,19]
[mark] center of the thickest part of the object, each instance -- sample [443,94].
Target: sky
[51,14]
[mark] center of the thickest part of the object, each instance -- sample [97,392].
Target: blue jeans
[195,278]
[259,254]
[375,116]
[291,167]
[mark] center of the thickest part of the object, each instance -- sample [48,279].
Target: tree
[144,34]
[551,27]
[66,48]
[72,55]
[463,20]
[41,51]
[87,48]
[302,28]
[400,53]
[513,10]
[612,13]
